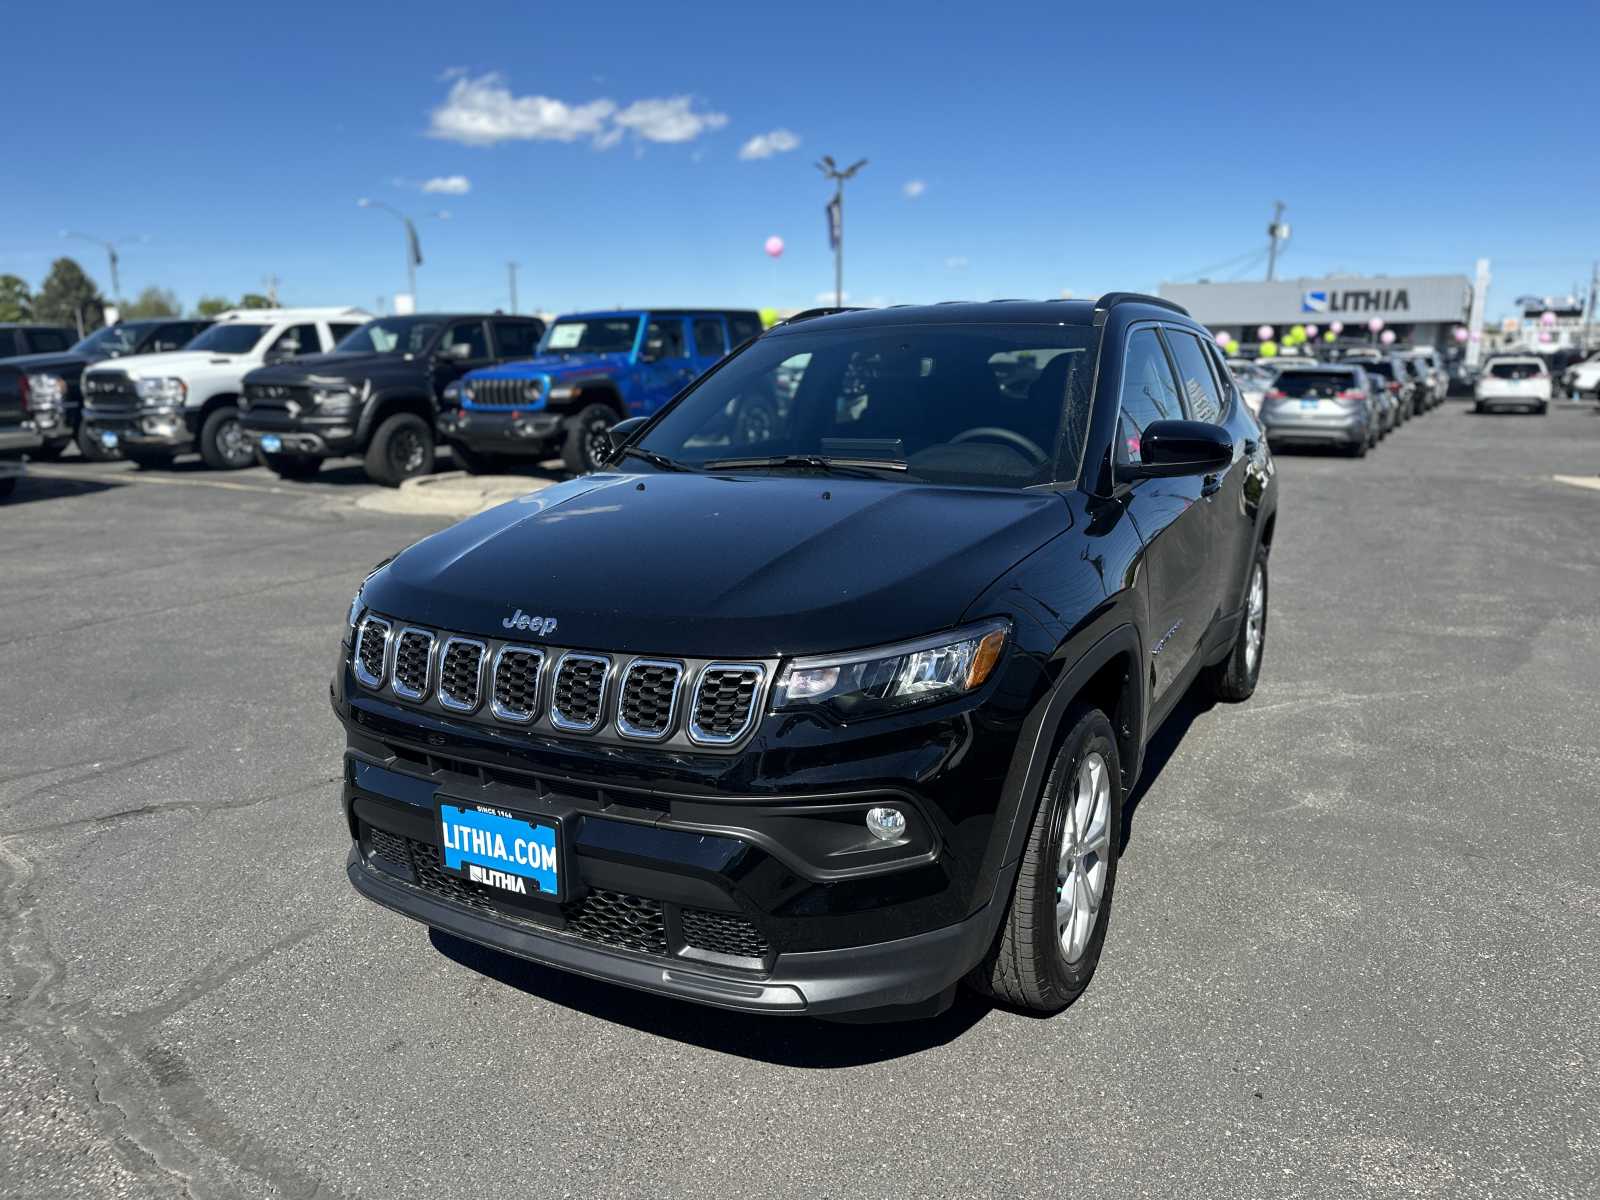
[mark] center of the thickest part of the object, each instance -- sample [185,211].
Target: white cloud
[956,262]
[448,185]
[914,188]
[483,111]
[673,119]
[765,145]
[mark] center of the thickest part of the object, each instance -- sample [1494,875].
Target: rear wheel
[401,449]
[222,441]
[1234,678]
[290,466]
[1055,923]
[588,442]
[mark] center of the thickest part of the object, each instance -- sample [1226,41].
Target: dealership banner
[1413,299]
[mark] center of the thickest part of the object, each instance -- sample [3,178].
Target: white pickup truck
[156,406]
[1583,378]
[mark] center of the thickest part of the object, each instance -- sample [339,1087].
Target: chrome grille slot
[461,673]
[110,391]
[372,651]
[504,393]
[413,663]
[577,701]
[649,702]
[517,674]
[725,702]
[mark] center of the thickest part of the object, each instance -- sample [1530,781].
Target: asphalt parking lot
[1355,952]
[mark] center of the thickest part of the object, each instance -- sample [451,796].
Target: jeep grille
[517,672]
[461,674]
[372,648]
[579,696]
[413,656]
[649,698]
[724,702]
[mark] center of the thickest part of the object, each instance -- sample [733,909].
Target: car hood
[171,362]
[720,566]
[34,364]
[556,365]
[346,368]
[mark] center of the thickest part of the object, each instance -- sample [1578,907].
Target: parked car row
[1351,403]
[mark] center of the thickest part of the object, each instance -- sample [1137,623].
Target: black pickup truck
[19,435]
[17,340]
[377,394]
[48,385]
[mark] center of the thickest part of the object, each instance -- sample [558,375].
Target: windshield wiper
[820,461]
[654,459]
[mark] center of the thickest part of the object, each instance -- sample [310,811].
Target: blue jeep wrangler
[592,370]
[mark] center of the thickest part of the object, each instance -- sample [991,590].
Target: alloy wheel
[236,452]
[597,443]
[1081,868]
[1255,619]
[406,451]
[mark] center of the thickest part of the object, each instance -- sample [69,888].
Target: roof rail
[1110,300]
[819,312]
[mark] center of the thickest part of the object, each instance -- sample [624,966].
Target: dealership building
[1422,310]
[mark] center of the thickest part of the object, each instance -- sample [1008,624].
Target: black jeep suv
[831,719]
[377,394]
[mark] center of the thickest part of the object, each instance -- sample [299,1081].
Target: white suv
[1514,382]
[155,406]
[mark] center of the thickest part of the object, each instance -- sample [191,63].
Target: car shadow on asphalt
[1159,751]
[780,1040]
[33,487]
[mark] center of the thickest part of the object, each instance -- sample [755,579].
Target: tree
[254,300]
[152,302]
[69,297]
[210,306]
[16,301]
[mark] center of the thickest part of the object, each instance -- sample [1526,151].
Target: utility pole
[1276,232]
[835,211]
[1588,316]
[271,284]
[511,270]
[111,253]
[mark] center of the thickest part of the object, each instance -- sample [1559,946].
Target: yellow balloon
[769,317]
[1329,336]
[1269,349]
[1299,332]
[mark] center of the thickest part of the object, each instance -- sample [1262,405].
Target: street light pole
[511,269]
[111,253]
[1276,232]
[835,210]
[413,246]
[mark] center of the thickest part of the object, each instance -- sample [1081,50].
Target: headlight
[163,391]
[333,400]
[533,390]
[893,677]
[46,390]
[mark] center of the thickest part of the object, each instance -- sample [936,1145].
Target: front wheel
[401,449]
[1234,678]
[222,442]
[1055,923]
[587,446]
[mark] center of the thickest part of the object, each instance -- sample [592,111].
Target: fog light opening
[886,824]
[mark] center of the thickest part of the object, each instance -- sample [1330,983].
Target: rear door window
[663,339]
[1149,392]
[709,341]
[1201,396]
[516,339]
[469,334]
[341,330]
[296,341]
[48,341]
[171,337]
[742,327]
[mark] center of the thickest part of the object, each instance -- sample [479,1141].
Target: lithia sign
[1356,300]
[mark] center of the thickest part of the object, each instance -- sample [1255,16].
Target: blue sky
[1049,147]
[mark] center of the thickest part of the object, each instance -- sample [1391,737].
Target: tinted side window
[743,328]
[48,341]
[1148,392]
[1194,371]
[664,339]
[170,337]
[297,340]
[8,343]
[708,341]
[341,331]
[516,339]
[469,333]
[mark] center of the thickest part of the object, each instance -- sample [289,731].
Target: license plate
[1308,404]
[514,854]
[108,439]
[271,443]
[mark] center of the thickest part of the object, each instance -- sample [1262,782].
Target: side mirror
[1169,448]
[623,430]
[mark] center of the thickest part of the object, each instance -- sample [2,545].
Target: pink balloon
[1336,326]
[1459,333]
[1222,339]
[1547,317]
[1265,333]
[1375,324]
[775,246]
[1474,336]
[1311,331]
[1387,337]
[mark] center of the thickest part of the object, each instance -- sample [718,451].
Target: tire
[476,462]
[1358,450]
[586,446]
[222,441]
[150,460]
[1234,678]
[92,450]
[401,449]
[1542,410]
[1037,962]
[1478,407]
[8,484]
[50,451]
[290,466]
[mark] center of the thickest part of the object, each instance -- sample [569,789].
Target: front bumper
[319,437]
[155,428]
[19,440]
[501,432]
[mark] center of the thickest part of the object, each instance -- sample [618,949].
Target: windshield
[229,338]
[1316,383]
[112,341]
[594,335]
[391,335]
[988,405]
[1516,370]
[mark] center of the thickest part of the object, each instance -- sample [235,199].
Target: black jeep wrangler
[834,717]
[377,394]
